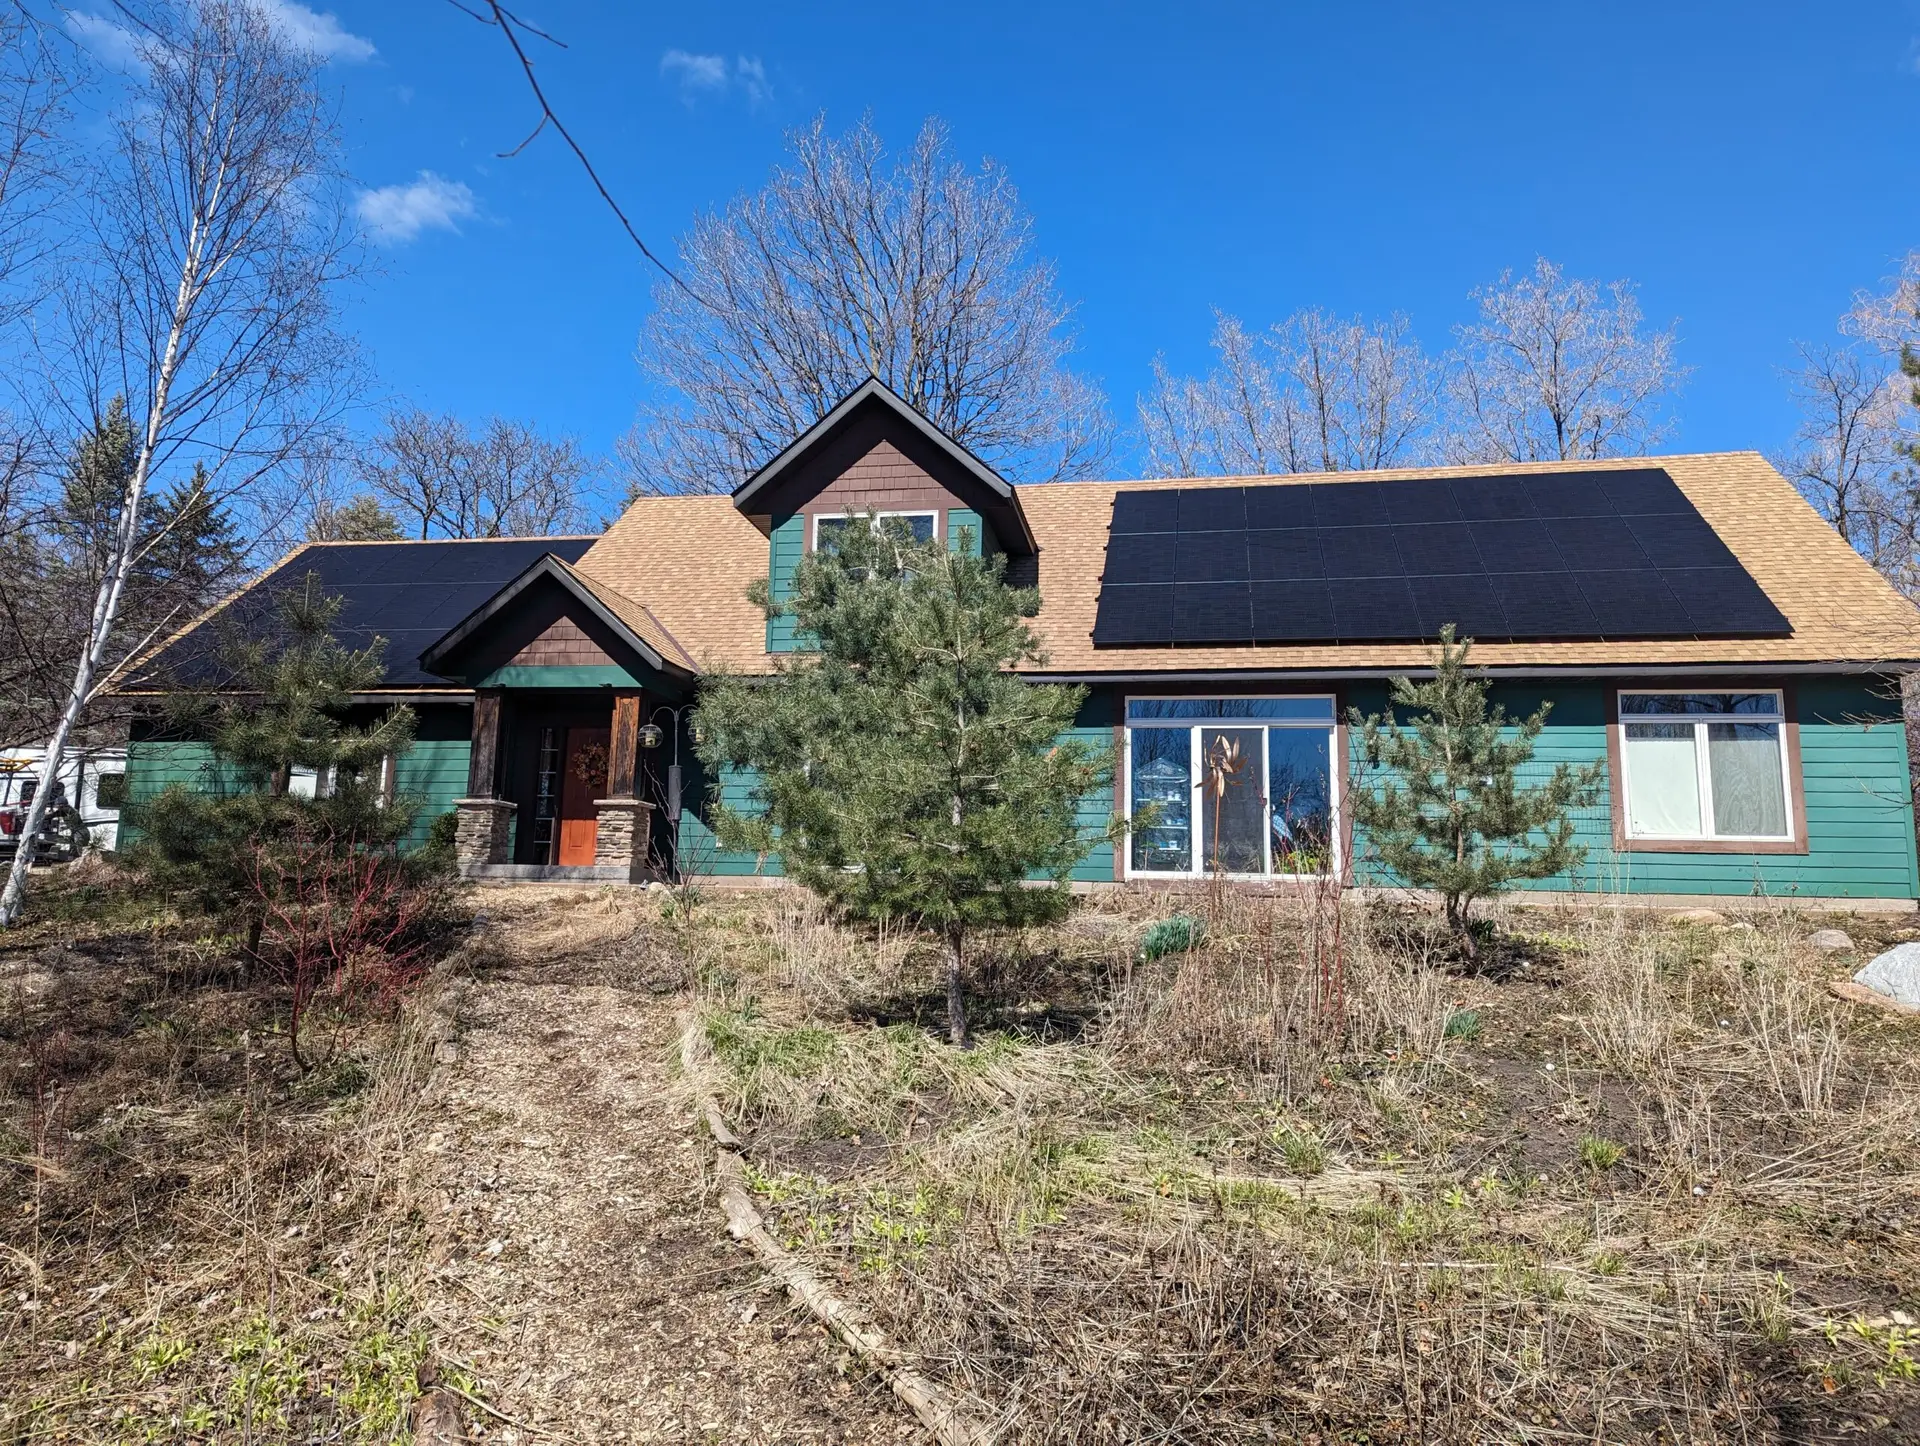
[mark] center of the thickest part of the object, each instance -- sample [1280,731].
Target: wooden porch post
[482,763]
[482,820]
[625,743]
[625,823]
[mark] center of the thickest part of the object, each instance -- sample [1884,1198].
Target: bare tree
[1557,369]
[1315,393]
[504,481]
[851,262]
[1853,456]
[34,88]
[217,235]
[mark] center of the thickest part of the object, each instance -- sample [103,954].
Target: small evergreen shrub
[1171,936]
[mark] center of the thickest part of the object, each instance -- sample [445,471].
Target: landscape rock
[1830,941]
[1697,916]
[1896,974]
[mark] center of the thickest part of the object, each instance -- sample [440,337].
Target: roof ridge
[1413,470]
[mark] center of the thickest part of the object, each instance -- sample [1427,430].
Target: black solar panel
[409,593]
[1607,554]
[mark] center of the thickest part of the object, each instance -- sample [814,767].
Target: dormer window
[921,526]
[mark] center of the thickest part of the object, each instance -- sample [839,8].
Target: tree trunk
[106,604]
[956,993]
[1457,922]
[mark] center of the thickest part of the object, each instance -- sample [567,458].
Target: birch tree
[1555,370]
[215,236]
[1314,393]
[852,262]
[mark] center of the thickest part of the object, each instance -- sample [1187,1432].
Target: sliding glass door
[1238,786]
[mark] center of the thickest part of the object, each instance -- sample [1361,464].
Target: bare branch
[851,262]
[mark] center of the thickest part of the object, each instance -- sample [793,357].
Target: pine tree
[95,482]
[363,519]
[286,706]
[1449,814]
[193,553]
[905,773]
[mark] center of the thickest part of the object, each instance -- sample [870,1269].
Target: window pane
[1695,704]
[1749,796]
[1304,709]
[1232,831]
[111,790]
[1300,798]
[1663,781]
[1161,764]
[827,532]
[918,525]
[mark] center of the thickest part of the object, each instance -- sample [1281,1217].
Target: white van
[94,778]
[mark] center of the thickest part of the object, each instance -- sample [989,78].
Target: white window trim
[1702,769]
[874,519]
[1335,780]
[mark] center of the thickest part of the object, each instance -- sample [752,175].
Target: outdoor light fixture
[650,736]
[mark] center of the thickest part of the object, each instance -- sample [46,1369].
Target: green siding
[434,773]
[978,536]
[786,545]
[1094,726]
[603,676]
[1859,812]
[700,851]
[155,766]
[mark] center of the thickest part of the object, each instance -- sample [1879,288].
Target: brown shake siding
[884,480]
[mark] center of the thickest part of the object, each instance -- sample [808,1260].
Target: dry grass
[200,1243]
[1649,1185]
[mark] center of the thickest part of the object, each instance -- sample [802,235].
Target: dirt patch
[581,1267]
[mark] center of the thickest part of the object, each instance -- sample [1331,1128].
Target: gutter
[1571,670]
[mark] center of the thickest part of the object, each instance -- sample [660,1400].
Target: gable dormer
[875,455]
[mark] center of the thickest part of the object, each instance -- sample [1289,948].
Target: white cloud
[696,72]
[710,74]
[318,31]
[752,77]
[399,214]
[119,48]
[114,46]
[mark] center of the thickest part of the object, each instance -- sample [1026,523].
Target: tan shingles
[691,558]
[636,616]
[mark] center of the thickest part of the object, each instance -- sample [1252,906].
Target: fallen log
[951,1423]
[1854,993]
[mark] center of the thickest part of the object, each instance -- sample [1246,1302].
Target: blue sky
[1749,166]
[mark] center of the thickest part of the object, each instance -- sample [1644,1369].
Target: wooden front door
[584,779]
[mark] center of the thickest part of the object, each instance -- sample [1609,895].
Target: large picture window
[1705,766]
[1243,786]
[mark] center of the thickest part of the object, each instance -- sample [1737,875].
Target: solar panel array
[409,593]
[1608,554]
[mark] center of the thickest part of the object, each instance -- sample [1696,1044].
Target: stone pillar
[622,829]
[481,828]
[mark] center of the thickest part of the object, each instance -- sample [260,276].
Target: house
[1693,622]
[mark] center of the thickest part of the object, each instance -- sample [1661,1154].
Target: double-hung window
[1705,766]
[921,526]
[1232,785]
